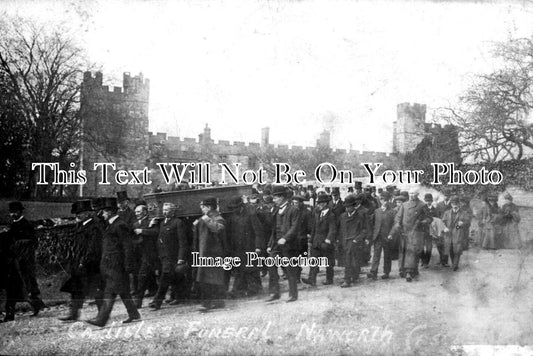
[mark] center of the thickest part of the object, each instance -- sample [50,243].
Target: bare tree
[42,71]
[494,112]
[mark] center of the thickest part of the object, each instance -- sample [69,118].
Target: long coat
[212,242]
[412,221]
[146,243]
[85,275]
[244,231]
[117,258]
[171,244]
[383,223]
[456,235]
[355,228]
[289,224]
[24,241]
[324,228]
[10,276]
[508,219]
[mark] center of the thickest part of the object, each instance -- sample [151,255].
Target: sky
[298,67]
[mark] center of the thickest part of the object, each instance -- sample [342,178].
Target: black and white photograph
[287,177]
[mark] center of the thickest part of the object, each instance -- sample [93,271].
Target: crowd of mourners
[122,249]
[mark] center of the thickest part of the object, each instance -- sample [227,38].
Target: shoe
[155,305]
[132,318]
[385,276]
[327,283]
[308,281]
[96,322]
[409,278]
[72,316]
[168,300]
[345,285]
[372,276]
[445,265]
[174,302]
[8,318]
[291,299]
[455,268]
[402,274]
[272,298]
[37,306]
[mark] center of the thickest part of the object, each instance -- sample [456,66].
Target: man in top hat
[24,247]
[358,187]
[427,248]
[85,278]
[355,233]
[145,232]
[305,228]
[211,241]
[245,233]
[127,215]
[172,249]
[323,238]
[457,221]
[383,222]
[412,223]
[116,264]
[337,207]
[283,241]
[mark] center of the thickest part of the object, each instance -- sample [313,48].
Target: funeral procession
[266,178]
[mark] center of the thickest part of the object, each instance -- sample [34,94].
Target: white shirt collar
[18,219]
[112,219]
[86,221]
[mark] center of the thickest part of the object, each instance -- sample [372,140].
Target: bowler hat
[454,199]
[400,198]
[280,190]
[139,202]
[385,195]
[109,203]
[15,206]
[323,198]
[81,206]
[405,193]
[235,202]
[209,201]
[121,196]
[350,200]
[298,197]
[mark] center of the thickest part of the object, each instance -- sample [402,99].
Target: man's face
[123,204]
[455,206]
[205,209]
[398,202]
[383,201]
[278,199]
[336,197]
[15,214]
[254,201]
[413,196]
[429,203]
[107,214]
[140,212]
[297,203]
[168,212]
[82,216]
[322,206]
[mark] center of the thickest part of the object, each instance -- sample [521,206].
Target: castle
[115,129]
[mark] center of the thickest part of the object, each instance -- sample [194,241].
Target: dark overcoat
[212,242]
[171,244]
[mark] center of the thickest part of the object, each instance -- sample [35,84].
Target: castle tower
[115,130]
[324,139]
[409,128]
[265,133]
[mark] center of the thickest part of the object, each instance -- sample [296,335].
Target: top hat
[108,203]
[209,201]
[385,195]
[121,196]
[15,206]
[80,206]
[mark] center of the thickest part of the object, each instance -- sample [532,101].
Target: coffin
[188,201]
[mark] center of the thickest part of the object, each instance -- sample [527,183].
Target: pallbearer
[85,278]
[457,221]
[116,264]
[355,235]
[383,222]
[323,238]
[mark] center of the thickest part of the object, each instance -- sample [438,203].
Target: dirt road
[488,301]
